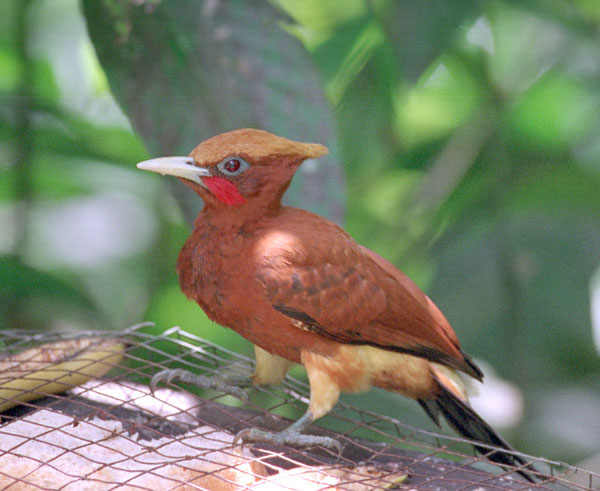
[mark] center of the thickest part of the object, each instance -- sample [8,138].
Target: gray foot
[288,438]
[229,384]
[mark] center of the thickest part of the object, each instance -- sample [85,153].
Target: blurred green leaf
[555,112]
[319,20]
[442,100]
[555,188]
[10,63]
[28,293]
[43,88]
[580,14]
[512,68]
[60,133]
[21,280]
[62,143]
[419,32]
[342,58]
[82,139]
[589,9]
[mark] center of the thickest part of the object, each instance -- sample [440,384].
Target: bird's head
[245,165]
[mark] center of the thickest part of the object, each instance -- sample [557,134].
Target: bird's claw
[166,376]
[229,385]
[288,438]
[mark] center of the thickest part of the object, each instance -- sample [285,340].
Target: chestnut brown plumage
[303,291]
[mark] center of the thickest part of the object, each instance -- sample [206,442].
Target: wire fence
[78,413]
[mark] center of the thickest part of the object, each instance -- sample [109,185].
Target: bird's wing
[350,295]
[431,325]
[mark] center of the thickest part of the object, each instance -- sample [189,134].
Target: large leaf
[33,298]
[184,71]
[420,31]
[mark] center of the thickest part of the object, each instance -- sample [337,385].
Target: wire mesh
[107,430]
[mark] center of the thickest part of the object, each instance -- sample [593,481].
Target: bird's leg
[291,436]
[324,393]
[230,384]
[270,370]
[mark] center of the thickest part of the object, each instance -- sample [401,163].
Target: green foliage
[468,133]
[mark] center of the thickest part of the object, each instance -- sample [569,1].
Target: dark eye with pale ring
[232,166]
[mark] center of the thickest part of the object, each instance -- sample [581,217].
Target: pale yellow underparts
[357,369]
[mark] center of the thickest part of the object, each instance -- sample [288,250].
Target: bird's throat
[225,191]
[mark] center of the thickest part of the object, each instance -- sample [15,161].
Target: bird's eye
[232,166]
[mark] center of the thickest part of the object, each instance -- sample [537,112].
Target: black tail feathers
[469,424]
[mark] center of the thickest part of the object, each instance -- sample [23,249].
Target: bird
[303,291]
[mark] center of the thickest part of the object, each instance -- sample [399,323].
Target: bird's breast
[219,272]
[207,267]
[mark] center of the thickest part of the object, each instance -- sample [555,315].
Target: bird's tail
[462,418]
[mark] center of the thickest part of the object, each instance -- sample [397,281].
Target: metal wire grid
[205,427]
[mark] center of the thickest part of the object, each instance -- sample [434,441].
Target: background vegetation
[467,131]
